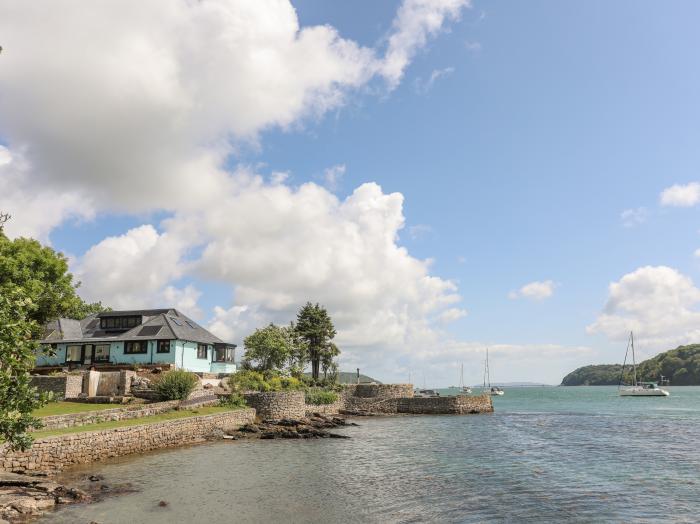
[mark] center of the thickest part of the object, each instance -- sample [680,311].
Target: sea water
[559,454]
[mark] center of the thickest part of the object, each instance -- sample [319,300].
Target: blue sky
[543,123]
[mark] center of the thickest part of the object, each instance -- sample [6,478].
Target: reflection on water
[547,454]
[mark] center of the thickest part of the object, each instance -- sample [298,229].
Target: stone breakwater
[57,453]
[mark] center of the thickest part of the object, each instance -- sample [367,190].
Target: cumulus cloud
[332,176]
[681,195]
[34,212]
[135,270]
[634,217]
[423,86]
[415,22]
[537,290]
[658,303]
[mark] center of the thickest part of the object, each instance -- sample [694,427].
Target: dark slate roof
[157,324]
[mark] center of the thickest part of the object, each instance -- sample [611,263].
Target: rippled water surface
[546,455]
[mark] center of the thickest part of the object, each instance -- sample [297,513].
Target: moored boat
[637,389]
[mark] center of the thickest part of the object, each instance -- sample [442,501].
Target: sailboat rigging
[488,389]
[637,389]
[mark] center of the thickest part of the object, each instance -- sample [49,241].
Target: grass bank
[67,408]
[153,419]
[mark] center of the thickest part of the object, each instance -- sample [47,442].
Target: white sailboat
[638,389]
[488,389]
[464,389]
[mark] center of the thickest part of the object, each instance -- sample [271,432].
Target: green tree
[299,351]
[268,348]
[315,327]
[42,275]
[17,353]
[328,363]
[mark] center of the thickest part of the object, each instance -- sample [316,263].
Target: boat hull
[640,392]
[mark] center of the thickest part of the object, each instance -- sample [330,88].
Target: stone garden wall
[56,453]
[105,415]
[277,405]
[379,390]
[459,405]
[62,386]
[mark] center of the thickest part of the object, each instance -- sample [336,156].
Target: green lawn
[170,415]
[65,408]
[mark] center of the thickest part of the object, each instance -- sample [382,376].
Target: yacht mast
[634,361]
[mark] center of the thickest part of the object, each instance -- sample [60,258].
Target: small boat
[638,389]
[465,390]
[487,388]
[426,393]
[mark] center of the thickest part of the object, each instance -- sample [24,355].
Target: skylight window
[177,321]
[190,324]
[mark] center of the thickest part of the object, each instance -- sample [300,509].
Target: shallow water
[546,455]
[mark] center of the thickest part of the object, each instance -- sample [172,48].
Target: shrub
[320,398]
[248,380]
[234,400]
[176,385]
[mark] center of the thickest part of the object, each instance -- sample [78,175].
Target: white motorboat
[638,389]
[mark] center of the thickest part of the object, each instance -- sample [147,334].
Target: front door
[88,350]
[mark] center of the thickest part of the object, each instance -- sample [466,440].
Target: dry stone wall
[277,405]
[105,415]
[56,453]
[380,390]
[62,386]
[459,405]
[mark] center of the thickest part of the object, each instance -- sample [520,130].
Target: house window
[119,322]
[223,354]
[131,348]
[101,353]
[163,346]
[74,353]
[201,351]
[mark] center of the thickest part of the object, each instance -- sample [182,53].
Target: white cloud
[135,270]
[537,290]
[634,217]
[473,46]
[423,86]
[681,195]
[419,231]
[452,314]
[34,212]
[658,303]
[415,22]
[333,176]
[137,106]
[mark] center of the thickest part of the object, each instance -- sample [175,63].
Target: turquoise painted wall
[183,354]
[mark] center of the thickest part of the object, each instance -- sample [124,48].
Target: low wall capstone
[56,453]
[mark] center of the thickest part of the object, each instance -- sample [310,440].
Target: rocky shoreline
[311,427]
[25,497]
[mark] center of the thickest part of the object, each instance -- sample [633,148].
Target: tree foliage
[42,275]
[315,327]
[681,366]
[268,348]
[17,353]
